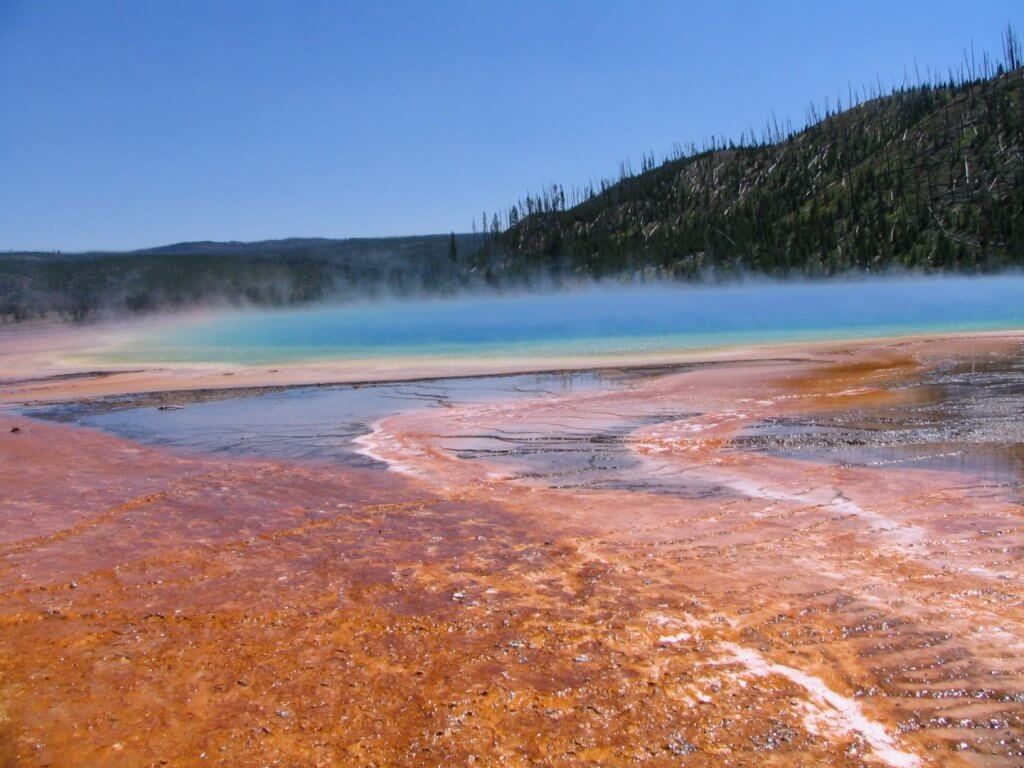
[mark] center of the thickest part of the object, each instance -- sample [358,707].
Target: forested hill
[268,273]
[928,177]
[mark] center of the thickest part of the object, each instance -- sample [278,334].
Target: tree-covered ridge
[270,273]
[929,177]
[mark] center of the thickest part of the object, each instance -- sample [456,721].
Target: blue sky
[144,122]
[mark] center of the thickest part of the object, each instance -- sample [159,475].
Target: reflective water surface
[964,415]
[310,423]
[736,564]
[595,320]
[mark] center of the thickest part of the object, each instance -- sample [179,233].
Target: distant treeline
[271,273]
[928,177]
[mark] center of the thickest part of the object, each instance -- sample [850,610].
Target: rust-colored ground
[161,610]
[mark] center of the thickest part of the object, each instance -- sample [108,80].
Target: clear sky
[142,122]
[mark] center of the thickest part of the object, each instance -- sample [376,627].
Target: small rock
[582,658]
[15,430]
[679,746]
[284,713]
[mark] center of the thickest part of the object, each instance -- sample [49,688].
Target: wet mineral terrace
[810,561]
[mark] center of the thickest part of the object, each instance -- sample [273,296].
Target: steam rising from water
[596,319]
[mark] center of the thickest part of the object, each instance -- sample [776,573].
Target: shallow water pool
[593,321]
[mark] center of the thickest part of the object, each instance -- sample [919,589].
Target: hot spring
[598,320]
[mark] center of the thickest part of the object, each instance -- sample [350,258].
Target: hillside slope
[267,273]
[926,178]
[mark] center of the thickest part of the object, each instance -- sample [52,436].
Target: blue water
[597,320]
[305,423]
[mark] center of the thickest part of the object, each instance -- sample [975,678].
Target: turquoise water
[597,320]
